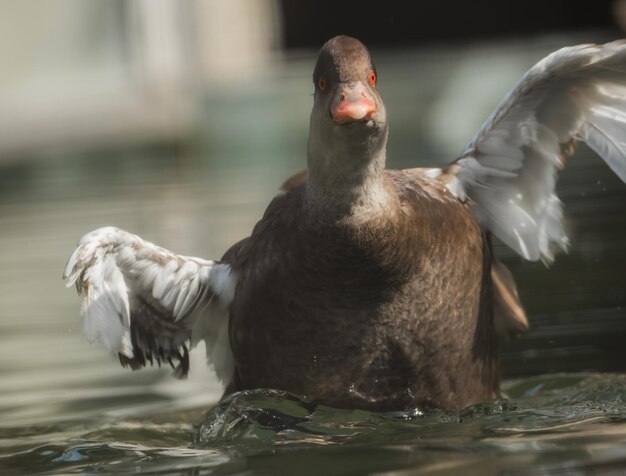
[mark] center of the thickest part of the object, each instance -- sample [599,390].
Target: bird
[364,287]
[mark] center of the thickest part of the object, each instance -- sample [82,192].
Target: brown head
[348,128]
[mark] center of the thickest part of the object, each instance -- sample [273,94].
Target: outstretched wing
[509,169]
[146,303]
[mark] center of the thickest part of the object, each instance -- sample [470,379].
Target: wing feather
[143,302]
[509,169]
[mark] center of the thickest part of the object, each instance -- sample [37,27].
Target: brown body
[385,314]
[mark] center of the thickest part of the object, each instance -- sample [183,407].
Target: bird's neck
[347,183]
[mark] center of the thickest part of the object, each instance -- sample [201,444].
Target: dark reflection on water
[68,408]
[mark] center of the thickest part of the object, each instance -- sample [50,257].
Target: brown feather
[387,315]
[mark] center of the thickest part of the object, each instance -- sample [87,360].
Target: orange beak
[351,103]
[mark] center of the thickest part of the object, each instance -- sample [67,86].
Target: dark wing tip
[177,358]
[155,340]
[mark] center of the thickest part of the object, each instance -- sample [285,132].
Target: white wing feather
[509,169]
[144,302]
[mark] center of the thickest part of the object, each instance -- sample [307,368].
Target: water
[544,425]
[66,407]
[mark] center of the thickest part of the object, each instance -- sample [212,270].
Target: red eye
[321,84]
[372,78]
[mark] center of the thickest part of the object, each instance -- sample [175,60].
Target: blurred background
[178,121]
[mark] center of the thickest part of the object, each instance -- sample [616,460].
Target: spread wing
[509,169]
[145,303]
